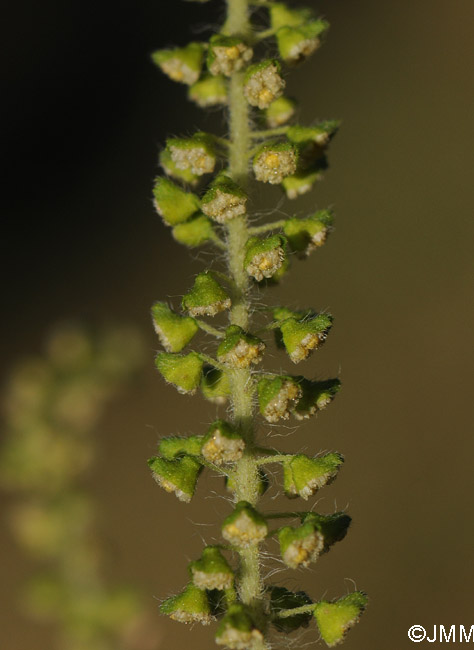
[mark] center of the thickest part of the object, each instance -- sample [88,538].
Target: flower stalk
[292,157]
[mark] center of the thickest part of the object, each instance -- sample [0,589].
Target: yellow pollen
[265,95]
[272,160]
[232,52]
[265,264]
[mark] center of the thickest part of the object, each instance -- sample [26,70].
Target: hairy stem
[249,582]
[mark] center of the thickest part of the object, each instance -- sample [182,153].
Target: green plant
[53,405]
[222,72]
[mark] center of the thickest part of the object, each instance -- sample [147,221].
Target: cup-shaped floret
[277,396]
[301,337]
[335,618]
[172,203]
[281,599]
[302,182]
[173,446]
[224,200]
[181,64]
[303,476]
[238,631]
[212,571]
[283,16]
[207,297]
[227,54]
[295,44]
[222,443]
[174,331]
[304,544]
[190,606]
[195,232]
[263,83]
[179,475]
[316,395]
[305,235]
[320,134]
[245,526]
[171,169]
[274,162]
[264,256]
[209,91]
[215,385]
[300,546]
[195,154]
[280,112]
[182,370]
[240,349]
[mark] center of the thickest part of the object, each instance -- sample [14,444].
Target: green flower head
[335,618]
[190,606]
[174,331]
[179,475]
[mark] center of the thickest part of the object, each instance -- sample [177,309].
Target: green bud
[172,203]
[239,349]
[209,91]
[304,544]
[303,476]
[263,83]
[182,370]
[245,526]
[335,618]
[215,385]
[282,16]
[224,200]
[222,444]
[296,44]
[212,571]
[238,631]
[274,162]
[301,182]
[305,235]
[300,337]
[300,546]
[174,331]
[227,54]
[195,232]
[181,64]
[276,396]
[170,448]
[320,134]
[316,395]
[264,256]
[179,475]
[280,112]
[195,154]
[170,168]
[263,482]
[207,297]
[190,606]
[281,599]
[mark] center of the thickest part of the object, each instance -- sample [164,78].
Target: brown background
[85,115]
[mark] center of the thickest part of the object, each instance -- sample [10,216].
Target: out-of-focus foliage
[52,407]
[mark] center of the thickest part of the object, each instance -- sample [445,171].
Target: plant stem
[274,225]
[304,609]
[249,582]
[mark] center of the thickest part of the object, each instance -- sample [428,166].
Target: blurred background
[83,115]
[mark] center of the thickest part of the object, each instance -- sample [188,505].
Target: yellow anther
[272,160]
